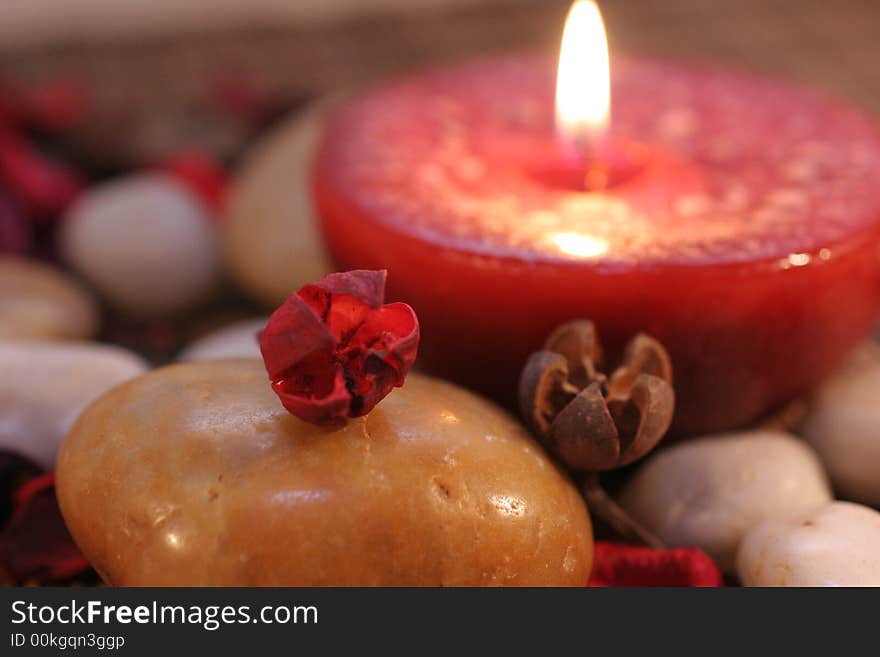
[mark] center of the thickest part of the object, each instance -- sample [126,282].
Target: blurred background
[154,58]
[95,90]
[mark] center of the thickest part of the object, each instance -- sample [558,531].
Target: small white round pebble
[271,241]
[39,302]
[707,492]
[45,385]
[145,242]
[238,340]
[837,544]
[843,425]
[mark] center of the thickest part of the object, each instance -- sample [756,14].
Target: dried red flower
[622,564]
[333,350]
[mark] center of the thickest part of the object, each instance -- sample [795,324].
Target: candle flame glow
[583,80]
[579,244]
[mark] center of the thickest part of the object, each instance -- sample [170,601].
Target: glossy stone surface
[45,385]
[843,425]
[709,491]
[271,241]
[38,302]
[195,475]
[145,242]
[837,544]
[237,340]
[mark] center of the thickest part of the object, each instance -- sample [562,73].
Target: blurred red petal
[202,174]
[54,106]
[35,544]
[44,188]
[621,564]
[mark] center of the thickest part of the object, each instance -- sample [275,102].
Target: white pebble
[145,242]
[237,340]
[843,425]
[45,385]
[837,544]
[707,492]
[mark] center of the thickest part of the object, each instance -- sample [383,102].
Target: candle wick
[591,151]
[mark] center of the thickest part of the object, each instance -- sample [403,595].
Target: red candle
[740,226]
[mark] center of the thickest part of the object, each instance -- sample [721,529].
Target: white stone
[238,340]
[45,385]
[145,242]
[271,241]
[837,544]
[843,425]
[707,492]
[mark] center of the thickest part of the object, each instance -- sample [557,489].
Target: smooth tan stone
[837,544]
[843,425]
[44,386]
[195,474]
[238,340]
[271,238]
[38,302]
[709,491]
[145,242]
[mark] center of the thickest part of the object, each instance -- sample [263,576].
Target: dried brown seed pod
[590,421]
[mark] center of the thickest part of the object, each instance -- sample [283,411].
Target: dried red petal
[44,188]
[621,564]
[334,350]
[35,543]
[202,174]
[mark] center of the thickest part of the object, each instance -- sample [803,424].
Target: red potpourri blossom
[621,564]
[334,349]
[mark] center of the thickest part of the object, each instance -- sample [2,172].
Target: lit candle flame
[580,245]
[583,81]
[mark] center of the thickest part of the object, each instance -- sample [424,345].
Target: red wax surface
[748,242]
